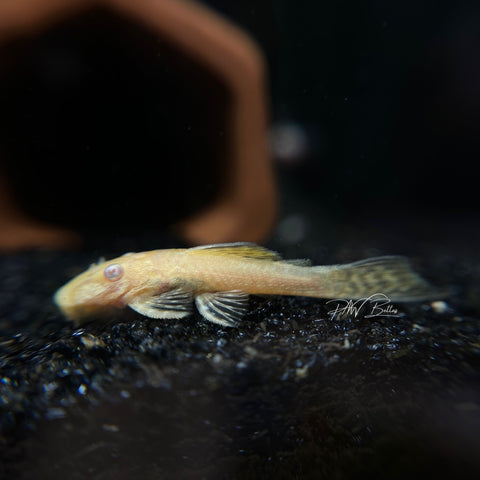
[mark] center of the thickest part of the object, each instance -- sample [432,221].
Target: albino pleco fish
[219,278]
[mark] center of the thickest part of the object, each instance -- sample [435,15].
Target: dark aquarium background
[381,98]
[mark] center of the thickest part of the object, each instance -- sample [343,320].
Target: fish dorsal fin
[241,249]
[300,262]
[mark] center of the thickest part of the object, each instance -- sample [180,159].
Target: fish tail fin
[388,275]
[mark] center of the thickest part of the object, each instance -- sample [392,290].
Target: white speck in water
[439,306]
[301,372]
[292,229]
[110,428]
[217,358]
[288,142]
[55,413]
[50,387]
[125,394]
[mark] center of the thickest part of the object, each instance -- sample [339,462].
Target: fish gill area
[295,392]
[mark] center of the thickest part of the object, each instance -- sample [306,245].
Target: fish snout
[65,300]
[82,298]
[60,298]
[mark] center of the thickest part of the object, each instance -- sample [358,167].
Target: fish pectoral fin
[175,303]
[223,308]
[240,249]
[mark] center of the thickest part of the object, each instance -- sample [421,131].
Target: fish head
[98,290]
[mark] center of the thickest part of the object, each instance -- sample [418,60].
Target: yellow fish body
[219,278]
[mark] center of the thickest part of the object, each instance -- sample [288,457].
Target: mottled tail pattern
[390,275]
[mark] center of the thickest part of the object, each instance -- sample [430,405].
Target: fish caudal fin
[389,275]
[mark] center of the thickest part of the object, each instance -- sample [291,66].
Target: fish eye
[113,272]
